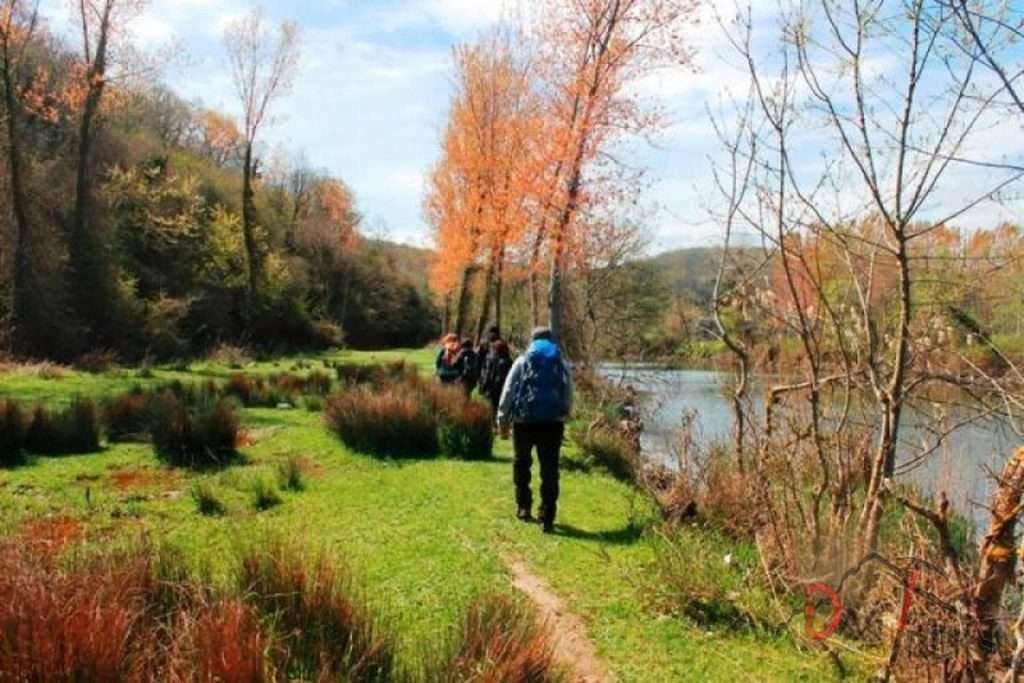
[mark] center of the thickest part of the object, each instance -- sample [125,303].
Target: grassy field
[423,537]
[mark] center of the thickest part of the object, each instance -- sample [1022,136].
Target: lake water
[960,466]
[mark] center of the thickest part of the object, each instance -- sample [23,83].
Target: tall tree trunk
[19,203]
[346,289]
[560,234]
[248,218]
[88,264]
[892,411]
[465,298]
[446,318]
[534,281]
[499,285]
[555,291]
[485,305]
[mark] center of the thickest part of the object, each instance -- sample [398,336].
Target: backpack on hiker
[542,393]
[447,364]
[467,365]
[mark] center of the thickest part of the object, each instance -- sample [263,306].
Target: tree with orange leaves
[221,138]
[478,193]
[527,152]
[592,54]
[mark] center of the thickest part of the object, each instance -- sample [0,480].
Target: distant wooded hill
[690,273]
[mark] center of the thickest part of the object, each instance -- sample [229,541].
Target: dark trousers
[546,437]
[495,400]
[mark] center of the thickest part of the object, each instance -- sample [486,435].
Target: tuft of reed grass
[50,371]
[354,374]
[96,362]
[264,494]
[389,423]
[610,451]
[127,417]
[13,432]
[326,632]
[202,435]
[468,432]
[291,474]
[230,355]
[132,615]
[207,501]
[224,642]
[278,389]
[499,640]
[709,579]
[73,430]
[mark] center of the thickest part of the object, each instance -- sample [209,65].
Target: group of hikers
[531,398]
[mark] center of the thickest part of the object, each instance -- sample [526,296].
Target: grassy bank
[425,537]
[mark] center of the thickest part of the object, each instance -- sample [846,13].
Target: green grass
[424,537]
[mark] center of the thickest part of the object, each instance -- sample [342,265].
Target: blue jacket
[512,407]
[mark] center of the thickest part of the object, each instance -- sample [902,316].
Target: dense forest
[138,223]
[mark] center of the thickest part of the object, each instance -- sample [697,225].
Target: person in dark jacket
[536,401]
[446,366]
[467,363]
[496,361]
[496,369]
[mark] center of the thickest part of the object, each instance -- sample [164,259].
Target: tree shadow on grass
[627,535]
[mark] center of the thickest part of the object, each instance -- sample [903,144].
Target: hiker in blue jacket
[536,401]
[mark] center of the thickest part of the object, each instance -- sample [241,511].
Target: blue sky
[370,100]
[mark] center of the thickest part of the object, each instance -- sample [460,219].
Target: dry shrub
[375,373]
[13,432]
[127,417]
[50,371]
[291,474]
[390,423]
[465,427]
[202,435]
[327,334]
[90,623]
[96,362]
[230,355]
[130,616]
[500,641]
[73,430]
[315,383]
[51,534]
[704,482]
[223,643]
[411,418]
[468,432]
[606,448]
[710,579]
[325,632]
[139,615]
[241,386]
[278,389]
[256,392]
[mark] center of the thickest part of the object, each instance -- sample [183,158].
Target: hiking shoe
[523,514]
[548,526]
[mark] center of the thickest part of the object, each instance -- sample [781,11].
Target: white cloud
[461,16]
[151,29]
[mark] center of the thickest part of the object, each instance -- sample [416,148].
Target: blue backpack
[542,395]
